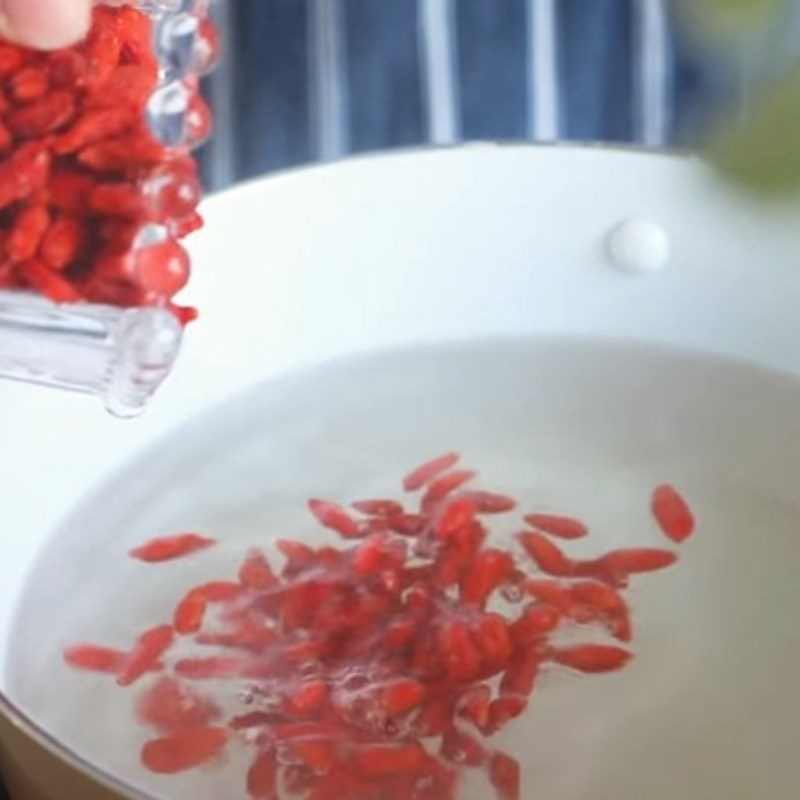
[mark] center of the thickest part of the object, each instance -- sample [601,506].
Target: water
[709,707]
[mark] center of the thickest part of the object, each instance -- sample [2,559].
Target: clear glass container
[120,354]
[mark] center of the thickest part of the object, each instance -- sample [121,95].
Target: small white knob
[638,246]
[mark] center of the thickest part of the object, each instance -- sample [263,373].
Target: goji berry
[546,555]
[62,242]
[184,749]
[262,777]
[592,657]
[94,658]
[167,548]
[169,706]
[426,472]
[672,513]
[334,517]
[563,527]
[504,774]
[26,233]
[146,653]
[47,115]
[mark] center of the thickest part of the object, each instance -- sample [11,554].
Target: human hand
[44,24]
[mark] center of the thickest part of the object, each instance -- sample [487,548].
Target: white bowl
[574,358]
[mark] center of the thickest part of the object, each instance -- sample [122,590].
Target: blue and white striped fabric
[306,80]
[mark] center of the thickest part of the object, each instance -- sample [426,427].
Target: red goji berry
[504,774]
[459,747]
[146,653]
[169,706]
[49,114]
[26,233]
[488,570]
[334,517]
[546,555]
[426,472]
[490,502]
[262,777]
[23,172]
[402,696]
[94,658]
[563,527]
[188,616]
[672,513]
[256,572]
[520,674]
[183,749]
[446,483]
[62,242]
[592,657]
[167,548]
[39,276]
[389,759]
[379,508]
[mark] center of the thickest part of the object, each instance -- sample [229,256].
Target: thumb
[44,24]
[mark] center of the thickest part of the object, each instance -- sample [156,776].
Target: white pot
[425,248]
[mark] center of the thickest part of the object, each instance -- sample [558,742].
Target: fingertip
[44,24]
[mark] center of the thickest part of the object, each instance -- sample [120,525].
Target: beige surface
[33,773]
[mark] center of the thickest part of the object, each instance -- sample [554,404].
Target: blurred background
[309,80]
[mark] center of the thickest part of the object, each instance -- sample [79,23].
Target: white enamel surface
[420,248]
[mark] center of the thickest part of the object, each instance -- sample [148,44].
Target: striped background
[316,79]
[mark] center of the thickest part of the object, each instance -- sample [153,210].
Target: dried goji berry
[333,516]
[426,472]
[672,513]
[262,777]
[62,242]
[169,706]
[94,658]
[546,555]
[29,84]
[488,570]
[46,115]
[389,759]
[379,508]
[184,749]
[563,527]
[167,548]
[26,233]
[39,276]
[256,572]
[504,774]
[592,657]
[440,487]
[189,614]
[145,654]
[459,747]
[23,172]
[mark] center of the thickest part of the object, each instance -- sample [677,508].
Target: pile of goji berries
[380,669]
[91,204]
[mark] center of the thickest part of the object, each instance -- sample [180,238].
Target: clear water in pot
[708,709]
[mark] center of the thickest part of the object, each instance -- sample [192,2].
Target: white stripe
[221,96]
[330,106]
[543,86]
[654,97]
[439,70]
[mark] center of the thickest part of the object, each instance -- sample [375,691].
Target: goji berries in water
[74,140]
[379,665]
